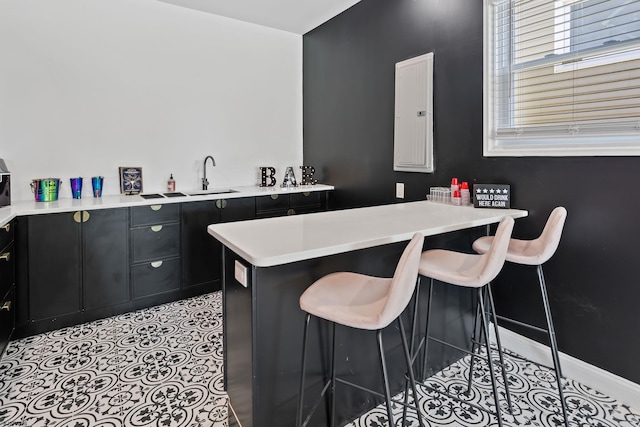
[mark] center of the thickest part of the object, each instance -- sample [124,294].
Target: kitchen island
[269,263]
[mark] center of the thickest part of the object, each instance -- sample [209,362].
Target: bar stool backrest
[546,245]
[403,282]
[493,260]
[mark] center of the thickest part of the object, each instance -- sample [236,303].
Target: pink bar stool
[362,302]
[535,252]
[470,271]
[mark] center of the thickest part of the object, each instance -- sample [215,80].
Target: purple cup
[76,187]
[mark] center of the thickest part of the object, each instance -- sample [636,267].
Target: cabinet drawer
[156,277]
[7,261]
[274,202]
[6,234]
[156,241]
[7,319]
[155,214]
[312,199]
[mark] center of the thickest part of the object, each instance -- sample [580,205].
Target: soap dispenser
[171,184]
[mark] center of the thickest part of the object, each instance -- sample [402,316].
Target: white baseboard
[603,381]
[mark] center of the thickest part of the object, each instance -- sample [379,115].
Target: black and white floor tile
[162,367]
[534,400]
[157,367]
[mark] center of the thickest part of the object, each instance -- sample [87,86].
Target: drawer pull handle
[156,228]
[5,256]
[7,227]
[81,216]
[6,306]
[156,264]
[155,207]
[274,196]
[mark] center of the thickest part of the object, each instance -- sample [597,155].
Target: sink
[174,194]
[210,192]
[152,196]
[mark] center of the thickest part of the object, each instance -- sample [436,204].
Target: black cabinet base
[263,327]
[41,326]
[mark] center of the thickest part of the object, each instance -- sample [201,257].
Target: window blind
[565,69]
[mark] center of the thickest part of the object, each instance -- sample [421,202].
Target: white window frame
[613,145]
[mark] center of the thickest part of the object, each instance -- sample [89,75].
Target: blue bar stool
[470,271]
[367,303]
[535,253]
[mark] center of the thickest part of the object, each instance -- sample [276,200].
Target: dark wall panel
[348,136]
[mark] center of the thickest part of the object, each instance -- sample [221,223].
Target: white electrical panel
[413,121]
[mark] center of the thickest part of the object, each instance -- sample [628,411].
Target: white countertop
[21,208]
[281,240]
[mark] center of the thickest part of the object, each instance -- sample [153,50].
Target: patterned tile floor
[533,394]
[163,367]
[157,367]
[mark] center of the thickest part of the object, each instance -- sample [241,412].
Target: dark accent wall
[348,88]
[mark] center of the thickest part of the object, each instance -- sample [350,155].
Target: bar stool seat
[362,302]
[350,299]
[531,252]
[535,253]
[470,271]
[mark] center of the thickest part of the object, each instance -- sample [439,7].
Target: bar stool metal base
[550,331]
[424,347]
[333,380]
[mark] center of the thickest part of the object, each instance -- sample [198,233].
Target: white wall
[90,85]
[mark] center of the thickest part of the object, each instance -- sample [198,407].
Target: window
[562,77]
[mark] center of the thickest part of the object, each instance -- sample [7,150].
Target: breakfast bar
[268,263]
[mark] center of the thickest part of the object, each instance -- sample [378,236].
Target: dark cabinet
[201,253]
[155,253]
[7,288]
[55,269]
[290,204]
[105,273]
[7,255]
[75,262]
[80,266]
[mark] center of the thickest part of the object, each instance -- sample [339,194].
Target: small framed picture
[130,180]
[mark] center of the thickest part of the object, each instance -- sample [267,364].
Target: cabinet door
[54,265]
[7,262]
[312,201]
[105,258]
[7,319]
[240,209]
[200,251]
[272,205]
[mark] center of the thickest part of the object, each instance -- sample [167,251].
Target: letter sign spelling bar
[267,174]
[307,175]
[492,196]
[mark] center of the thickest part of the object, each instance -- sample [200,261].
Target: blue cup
[96,183]
[76,187]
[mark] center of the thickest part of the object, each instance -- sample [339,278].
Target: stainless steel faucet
[205,183]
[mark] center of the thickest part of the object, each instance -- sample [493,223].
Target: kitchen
[88,88]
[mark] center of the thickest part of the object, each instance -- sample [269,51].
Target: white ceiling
[296,16]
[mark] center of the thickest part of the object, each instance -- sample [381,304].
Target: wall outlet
[240,273]
[399,190]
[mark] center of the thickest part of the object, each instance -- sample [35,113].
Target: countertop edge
[23,208]
[270,261]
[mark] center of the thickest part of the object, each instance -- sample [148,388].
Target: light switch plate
[240,273]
